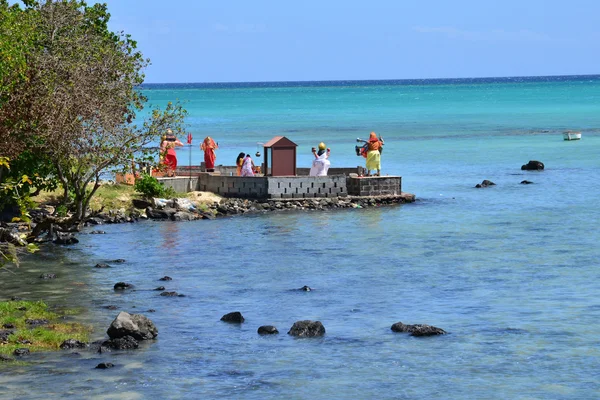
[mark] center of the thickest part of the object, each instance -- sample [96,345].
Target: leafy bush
[149,186]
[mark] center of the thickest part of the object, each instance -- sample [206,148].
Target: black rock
[151,310]
[123,286]
[36,322]
[166,278]
[48,276]
[21,352]
[166,213]
[8,326]
[118,261]
[533,166]
[73,344]
[15,298]
[307,329]
[141,203]
[170,294]
[526,182]
[305,288]
[65,238]
[233,317]
[418,329]
[122,343]
[4,334]
[104,365]
[97,233]
[160,288]
[101,265]
[135,325]
[485,183]
[22,308]
[267,330]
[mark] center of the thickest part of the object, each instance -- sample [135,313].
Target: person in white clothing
[321,163]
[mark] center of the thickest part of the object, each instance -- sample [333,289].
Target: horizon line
[372,80]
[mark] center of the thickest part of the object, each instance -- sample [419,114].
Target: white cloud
[491,35]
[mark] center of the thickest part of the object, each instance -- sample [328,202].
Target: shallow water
[510,271]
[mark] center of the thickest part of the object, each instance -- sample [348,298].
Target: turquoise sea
[510,271]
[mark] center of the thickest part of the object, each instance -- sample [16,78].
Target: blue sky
[278,40]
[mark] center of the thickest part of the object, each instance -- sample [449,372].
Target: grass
[43,338]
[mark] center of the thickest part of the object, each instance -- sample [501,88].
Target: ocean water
[511,272]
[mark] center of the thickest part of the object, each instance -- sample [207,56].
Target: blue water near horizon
[510,271]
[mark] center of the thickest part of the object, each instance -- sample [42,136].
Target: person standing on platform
[374,147]
[320,165]
[209,146]
[167,152]
[238,163]
[248,166]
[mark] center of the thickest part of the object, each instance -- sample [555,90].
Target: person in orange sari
[209,146]
[374,147]
[167,152]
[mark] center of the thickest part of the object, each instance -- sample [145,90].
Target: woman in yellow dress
[374,147]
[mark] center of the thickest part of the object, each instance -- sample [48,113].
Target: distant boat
[570,135]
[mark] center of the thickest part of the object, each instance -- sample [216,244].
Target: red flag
[189,138]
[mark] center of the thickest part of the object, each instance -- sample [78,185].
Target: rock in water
[135,325]
[533,165]
[73,344]
[307,329]
[418,329]
[235,317]
[267,330]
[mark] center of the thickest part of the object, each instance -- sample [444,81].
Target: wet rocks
[4,334]
[142,203]
[307,329]
[5,359]
[21,352]
[485,183]
[121,343]
[166,278]
[171,294]
[47,276]
[118,261]
[97,232]
[137,326]
[123,286]
[65,239]
[8,326]
[102,265]
[104,365]
[235,317]
[160,288]
[305,288]
[526,182]
[267,330]
[533,165]
[418,329]
[72,344]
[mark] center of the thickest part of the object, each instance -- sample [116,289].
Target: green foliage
[47,337]
[149,186]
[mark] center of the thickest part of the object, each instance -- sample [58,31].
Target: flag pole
[189,141]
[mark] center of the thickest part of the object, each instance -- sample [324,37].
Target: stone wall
[374,186]
[302,187]
[246,187]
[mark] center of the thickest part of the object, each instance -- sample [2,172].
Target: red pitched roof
[280,141]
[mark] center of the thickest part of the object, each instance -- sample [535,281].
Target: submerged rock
[135,325]
[171,294]
[526,182]
[235,317]
[166,278]
[73,344]
[418,329]
[307,329]
[65,238]
[485,183]
[47,276]
[123,286]
[21,352]
[102,265]
[267,330]
[122,343]
[104,365]
[305,288]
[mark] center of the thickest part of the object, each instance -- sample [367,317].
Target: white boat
[570,135]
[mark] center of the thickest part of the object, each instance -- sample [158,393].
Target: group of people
[371,150]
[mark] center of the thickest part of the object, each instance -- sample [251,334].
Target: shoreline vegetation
[32,326]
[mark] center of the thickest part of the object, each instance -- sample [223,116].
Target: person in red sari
[209,146]
[167,152]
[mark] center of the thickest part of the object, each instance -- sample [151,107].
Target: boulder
[73,344]
[4,334]
[105,365]
[305,288]
[135,325]
[165,213]
[526,182]
[418,329]
[122,343]
[160,288]
[533,165]
[166,278]
[183,216]
[267,330]
[235,317]
[171,294]
[123,286]
[307,329]
[21,352]
[485,183]
[142,203]
[65,238]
